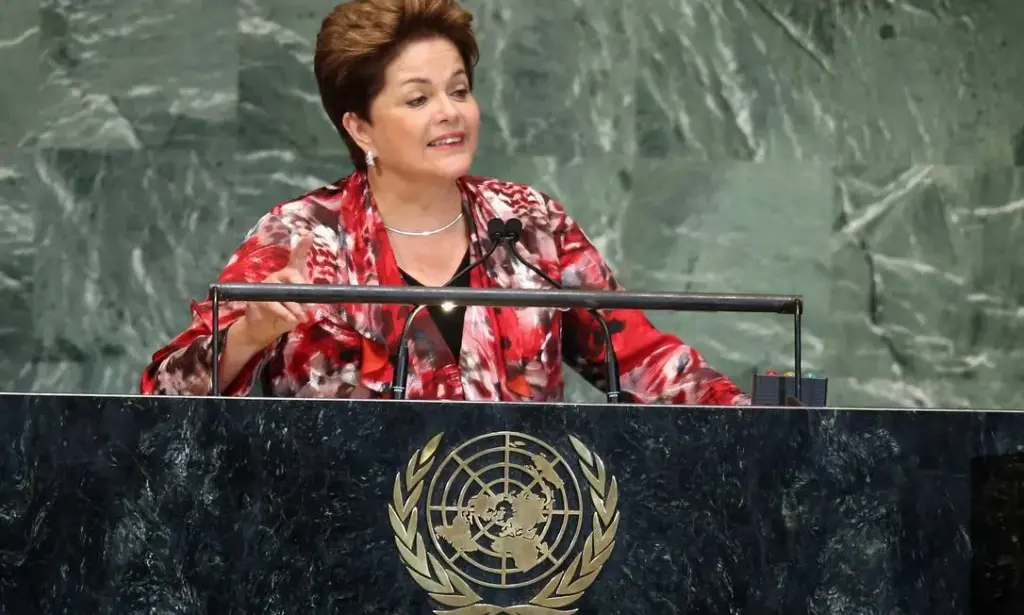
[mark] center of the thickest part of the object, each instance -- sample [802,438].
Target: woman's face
[425,120]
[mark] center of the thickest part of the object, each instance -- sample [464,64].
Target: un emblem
[504,513]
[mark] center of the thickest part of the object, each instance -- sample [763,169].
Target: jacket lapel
[508,342]
[365,259]
[482,372]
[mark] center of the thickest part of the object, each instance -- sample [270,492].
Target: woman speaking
[396,80]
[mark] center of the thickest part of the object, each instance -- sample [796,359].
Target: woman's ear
[358,129]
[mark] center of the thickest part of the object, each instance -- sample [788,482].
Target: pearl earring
[371,159]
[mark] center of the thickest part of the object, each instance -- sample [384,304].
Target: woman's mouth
[447,141]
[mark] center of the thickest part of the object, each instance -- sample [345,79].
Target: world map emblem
[504,514]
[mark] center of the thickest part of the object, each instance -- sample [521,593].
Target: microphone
[496,232]
[513,228]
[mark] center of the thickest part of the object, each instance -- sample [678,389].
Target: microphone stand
[495,230]
[513,228]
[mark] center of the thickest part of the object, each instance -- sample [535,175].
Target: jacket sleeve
[184,365]
[654,367]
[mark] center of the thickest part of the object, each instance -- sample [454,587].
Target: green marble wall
[864,153]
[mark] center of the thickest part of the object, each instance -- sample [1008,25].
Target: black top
[450,322]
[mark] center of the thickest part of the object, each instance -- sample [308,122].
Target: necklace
[425,233]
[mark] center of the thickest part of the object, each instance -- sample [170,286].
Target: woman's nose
[447,110]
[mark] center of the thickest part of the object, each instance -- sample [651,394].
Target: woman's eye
[418,101]
[460,93]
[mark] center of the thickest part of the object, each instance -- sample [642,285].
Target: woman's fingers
[299,255]
[291,276]
[296,310]
[270,319]
[278,310]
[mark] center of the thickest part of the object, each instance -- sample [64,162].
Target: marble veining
[121,504]
[863,153]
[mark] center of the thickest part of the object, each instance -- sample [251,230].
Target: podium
[212,505]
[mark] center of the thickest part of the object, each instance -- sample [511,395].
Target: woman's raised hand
[265,321]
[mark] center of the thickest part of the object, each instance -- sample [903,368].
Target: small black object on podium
[771,389]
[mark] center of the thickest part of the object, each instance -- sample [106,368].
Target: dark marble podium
[196,505]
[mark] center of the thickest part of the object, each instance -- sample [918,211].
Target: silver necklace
[425,233]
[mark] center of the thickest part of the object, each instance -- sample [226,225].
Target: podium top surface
[436,403]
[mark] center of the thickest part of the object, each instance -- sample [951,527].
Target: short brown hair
[358,40]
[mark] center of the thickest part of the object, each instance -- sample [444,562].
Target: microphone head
[513,227]
[495,229]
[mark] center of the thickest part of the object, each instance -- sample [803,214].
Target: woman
[396,78]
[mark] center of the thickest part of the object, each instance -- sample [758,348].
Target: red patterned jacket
[507,354]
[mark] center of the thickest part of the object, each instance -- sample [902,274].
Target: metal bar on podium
[501,297]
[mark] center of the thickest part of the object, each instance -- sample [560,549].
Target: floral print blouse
[507,354]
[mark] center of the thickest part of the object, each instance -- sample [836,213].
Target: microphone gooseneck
[513,229]
[505,233]
[496,232]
